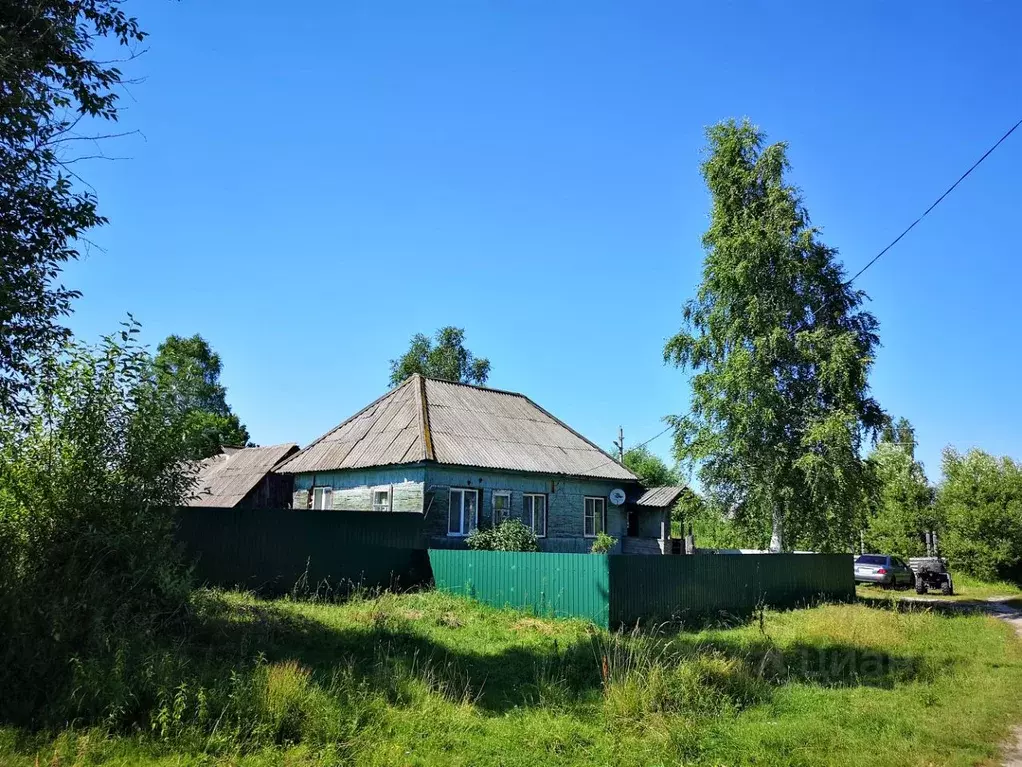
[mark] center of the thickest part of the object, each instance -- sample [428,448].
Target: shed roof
[659,497]
[225,479]
[426,419]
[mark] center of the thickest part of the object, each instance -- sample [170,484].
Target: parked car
[884,570]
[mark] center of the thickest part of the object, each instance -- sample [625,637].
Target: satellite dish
[617,496]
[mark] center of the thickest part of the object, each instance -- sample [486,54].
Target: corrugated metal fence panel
[272,551]
[678,588]
[559,585]
[787,580]
[399,529]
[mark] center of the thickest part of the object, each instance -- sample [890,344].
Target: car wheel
[946,590]
[920,586]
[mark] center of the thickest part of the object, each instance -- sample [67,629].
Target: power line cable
[641,444]
[936,202]
[878,256]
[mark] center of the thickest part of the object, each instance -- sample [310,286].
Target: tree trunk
[777,533]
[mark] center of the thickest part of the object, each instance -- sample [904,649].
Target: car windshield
[871,559]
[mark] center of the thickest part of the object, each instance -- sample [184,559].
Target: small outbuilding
[244,477]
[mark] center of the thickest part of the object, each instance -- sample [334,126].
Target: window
[381,499]
[535,513]
[463,513]
[501,506]
[871,559]
[322,498]
[595,517]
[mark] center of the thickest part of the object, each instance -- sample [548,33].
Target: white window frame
[529,512]
[461,511]
[326,493]
[586,516]
[493,506]
[389,505]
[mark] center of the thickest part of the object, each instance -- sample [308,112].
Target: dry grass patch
[534,625]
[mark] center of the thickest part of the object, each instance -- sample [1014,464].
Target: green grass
[967,589]
[425,679]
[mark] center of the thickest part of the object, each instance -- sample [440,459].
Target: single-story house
[465,456]
[244,477]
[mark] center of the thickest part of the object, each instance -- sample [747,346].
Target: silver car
[884,570]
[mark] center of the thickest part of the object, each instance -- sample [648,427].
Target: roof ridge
[471,386]
[425,433]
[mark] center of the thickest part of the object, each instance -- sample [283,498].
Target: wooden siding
[353,490]
[565,504]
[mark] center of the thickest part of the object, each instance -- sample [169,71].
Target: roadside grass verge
[427,678]
[967,588]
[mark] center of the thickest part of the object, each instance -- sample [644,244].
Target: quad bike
[931,573]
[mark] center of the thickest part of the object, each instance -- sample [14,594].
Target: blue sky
[314,184]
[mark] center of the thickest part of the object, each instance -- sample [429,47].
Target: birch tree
[779,349]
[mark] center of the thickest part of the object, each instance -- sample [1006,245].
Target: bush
[980,503]
[88,562]
[509,535]
[603,543]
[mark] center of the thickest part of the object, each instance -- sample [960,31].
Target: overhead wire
[879,255]
[926,212]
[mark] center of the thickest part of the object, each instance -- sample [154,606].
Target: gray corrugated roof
[225,479]
[660,497]
[463,426]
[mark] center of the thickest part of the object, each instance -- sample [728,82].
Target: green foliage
[980,504]
[689,506]
[650,468]
[715,530]
[87,482]
[602,543]
[901,510]
[50,82]
[781,351]
[900,433]
[425,678]
[190,372]
[444,357]
[509,535]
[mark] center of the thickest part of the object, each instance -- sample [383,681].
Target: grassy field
[426,678]
[967,589]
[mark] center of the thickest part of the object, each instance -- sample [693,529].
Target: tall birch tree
[779,349]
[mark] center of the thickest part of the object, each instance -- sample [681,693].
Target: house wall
[274,491]
[652,521]
[353,490]
[426,489]
[565,505]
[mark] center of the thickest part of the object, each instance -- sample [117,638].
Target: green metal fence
[272,551]
[559,585]
[615,590]
[697,587]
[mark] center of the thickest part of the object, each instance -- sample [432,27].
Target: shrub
[509,535]
[980,503]
[88,479]
[603,543]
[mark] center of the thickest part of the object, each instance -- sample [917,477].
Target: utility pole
[620,445]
